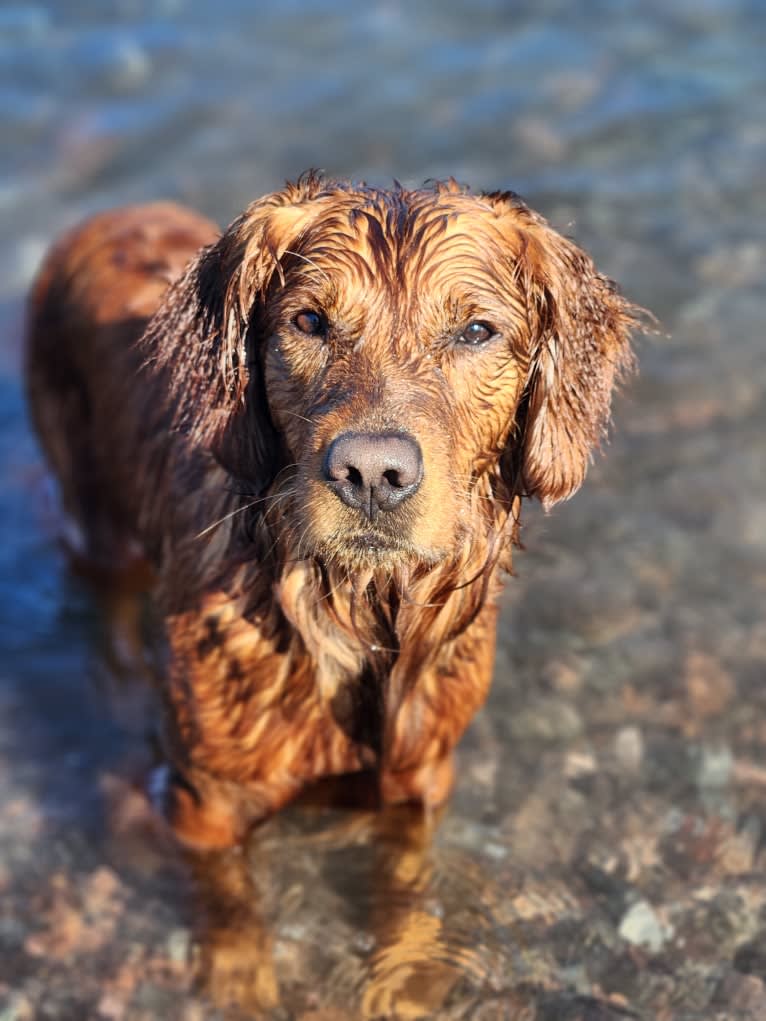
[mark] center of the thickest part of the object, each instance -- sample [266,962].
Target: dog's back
[93,296]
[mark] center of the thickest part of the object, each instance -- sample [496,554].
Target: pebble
[130,64]
[641,927]
[18,1008]
[565,675]
[178,943]
[714,767]
[745,994]
[629,748]
[709,687]
[547,719]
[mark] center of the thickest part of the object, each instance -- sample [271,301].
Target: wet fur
[299,646]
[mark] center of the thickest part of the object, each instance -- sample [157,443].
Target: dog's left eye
[477,333]
[310,323]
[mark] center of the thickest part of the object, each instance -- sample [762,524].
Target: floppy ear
[202,339]
[580,351]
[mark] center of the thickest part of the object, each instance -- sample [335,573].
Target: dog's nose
[373,471]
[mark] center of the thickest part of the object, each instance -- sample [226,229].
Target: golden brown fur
[306,640]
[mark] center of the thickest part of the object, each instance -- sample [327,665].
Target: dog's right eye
[310,323]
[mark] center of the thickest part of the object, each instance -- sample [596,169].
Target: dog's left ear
[580,348]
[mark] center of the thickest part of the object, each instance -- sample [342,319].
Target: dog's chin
[365,550]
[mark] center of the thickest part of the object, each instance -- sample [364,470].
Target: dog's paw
[207,823]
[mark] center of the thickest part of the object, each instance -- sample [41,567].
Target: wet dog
[319,433]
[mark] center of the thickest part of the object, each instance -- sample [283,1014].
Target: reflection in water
[343,908]
[235,966]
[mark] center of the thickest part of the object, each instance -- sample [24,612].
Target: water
[620,760]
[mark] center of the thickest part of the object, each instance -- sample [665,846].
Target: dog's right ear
[581,351]
[202,339]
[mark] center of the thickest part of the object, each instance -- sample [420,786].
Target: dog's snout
[373,472]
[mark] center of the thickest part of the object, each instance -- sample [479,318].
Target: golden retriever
[320,435]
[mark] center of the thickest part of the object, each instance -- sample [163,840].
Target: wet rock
[742,996]
[567,1007]
[668,765]
[547,719]
[750,958]
[18,1007]
[714,766]
[178,946]
[602,876]
[717,922]
[641,927]
[629,748]
[12,932]
[709,687]
[566,675]
[566,938]
[580,765]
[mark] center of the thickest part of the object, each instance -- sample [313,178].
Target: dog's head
[399,365]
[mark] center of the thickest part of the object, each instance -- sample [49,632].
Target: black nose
[373,471]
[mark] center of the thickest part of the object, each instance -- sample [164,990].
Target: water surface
[603,853]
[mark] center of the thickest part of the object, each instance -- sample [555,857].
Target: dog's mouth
[370,548]
[372,541]
[369,544]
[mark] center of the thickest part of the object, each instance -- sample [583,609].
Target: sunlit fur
[304,639]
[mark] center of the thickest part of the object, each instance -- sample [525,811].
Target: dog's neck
[373,634]
[368,621]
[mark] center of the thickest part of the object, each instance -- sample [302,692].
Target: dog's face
[393,369]
[420,353]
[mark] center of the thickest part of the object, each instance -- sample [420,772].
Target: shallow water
[604,849]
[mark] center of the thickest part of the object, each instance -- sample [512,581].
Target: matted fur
[305,640]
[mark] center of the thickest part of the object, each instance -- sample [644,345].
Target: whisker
[282,470]
[471,493]
[295,414]
[305,532]
[278,497]
[238,485]
[227,517]
[274,497]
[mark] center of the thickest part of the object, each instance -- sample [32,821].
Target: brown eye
[476,333]
[310,323]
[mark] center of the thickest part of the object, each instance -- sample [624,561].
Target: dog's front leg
[241,715]
[429,784]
